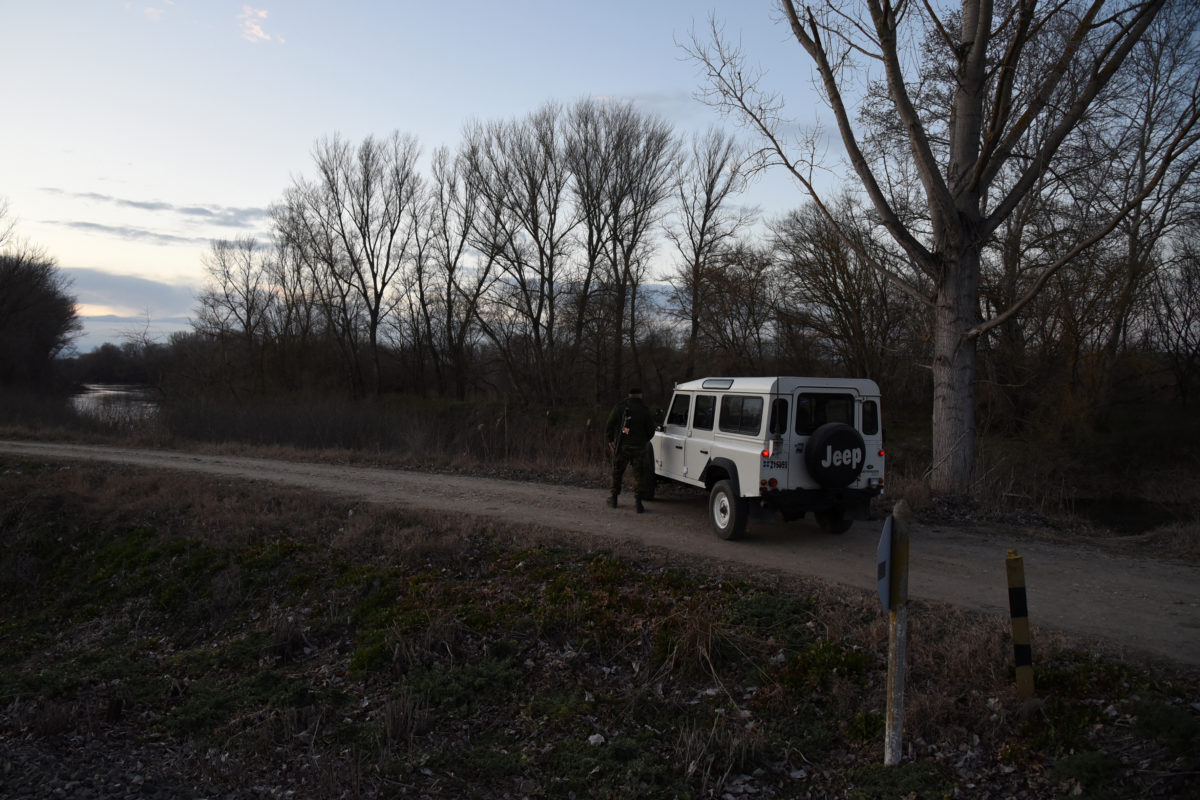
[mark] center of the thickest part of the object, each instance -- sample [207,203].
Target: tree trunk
[954,378]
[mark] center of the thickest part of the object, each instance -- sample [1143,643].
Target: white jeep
[766,445]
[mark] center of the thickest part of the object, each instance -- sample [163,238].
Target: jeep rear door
[814,408]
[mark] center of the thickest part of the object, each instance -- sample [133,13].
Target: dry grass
[366,643]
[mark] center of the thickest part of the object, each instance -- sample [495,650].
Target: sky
[136,133]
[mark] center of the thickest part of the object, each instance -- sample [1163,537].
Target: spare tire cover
[835,455]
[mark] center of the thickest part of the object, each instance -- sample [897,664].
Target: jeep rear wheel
[727,511]
[833,521]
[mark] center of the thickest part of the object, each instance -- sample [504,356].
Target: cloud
[154,12]
[251,19]
[113,307]
[128,295]
[129,232]
[207,215]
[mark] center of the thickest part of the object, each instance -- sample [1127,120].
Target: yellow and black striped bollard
[1019,611]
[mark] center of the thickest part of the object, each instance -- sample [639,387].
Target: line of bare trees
[520,264]
[558,257]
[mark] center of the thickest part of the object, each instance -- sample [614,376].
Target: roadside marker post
[1018,606]
[893,567]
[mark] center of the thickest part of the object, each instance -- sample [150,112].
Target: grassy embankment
[265,637]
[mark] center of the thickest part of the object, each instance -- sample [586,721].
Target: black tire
[833,521]
[835,455]
[727,512]
[649,478]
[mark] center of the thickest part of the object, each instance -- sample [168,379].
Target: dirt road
[1133,604]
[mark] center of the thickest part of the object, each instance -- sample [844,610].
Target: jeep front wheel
[727,511]
[649,478]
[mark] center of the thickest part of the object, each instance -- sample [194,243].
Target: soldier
[629,429]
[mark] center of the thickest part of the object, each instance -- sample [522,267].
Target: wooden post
[897,635]
[1018,607]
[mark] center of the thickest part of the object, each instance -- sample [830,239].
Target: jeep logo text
[838,458]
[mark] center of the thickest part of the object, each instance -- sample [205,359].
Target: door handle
[678,447]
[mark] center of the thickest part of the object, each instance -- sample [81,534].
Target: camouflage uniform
[629,429]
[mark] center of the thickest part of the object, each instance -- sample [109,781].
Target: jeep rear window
[778,421]
[706,411]
[815,410]
[870,424]
[741,414]
[679,409]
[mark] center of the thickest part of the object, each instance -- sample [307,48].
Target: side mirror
[659,416]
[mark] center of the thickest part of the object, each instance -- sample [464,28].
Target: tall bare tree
[1011,83]
[366,198]
[828,288]
[1175,314]
[316,251]
[452,276]
[1159,86]
[709,180]
[623,163]
[519,171]
[739,335]
[235,304]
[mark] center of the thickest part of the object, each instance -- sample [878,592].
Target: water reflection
[124,404]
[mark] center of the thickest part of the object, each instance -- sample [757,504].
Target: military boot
[638,507]
[612,501]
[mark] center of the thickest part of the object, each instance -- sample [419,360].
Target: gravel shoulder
[1127,605]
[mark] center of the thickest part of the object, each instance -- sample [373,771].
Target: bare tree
[293,320]
[827,287]
[519,172]
[366,199]
[315,250]
[1159,86]
[7,223]
[739,333]
[1175,323]
[452,277]
[237,300]
[705,220]
[1014,83]
[623,165]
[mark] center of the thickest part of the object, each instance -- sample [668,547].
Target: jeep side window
[870,422]
[706,412]
[741,414]
[814,410]
[680,407]
[779,420]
